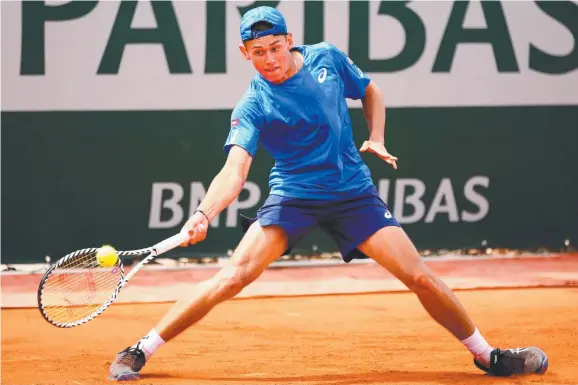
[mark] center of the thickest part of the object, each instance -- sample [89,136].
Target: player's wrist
[203,214]
[377,140]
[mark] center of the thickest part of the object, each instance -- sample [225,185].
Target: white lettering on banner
[166,202]
[413,199]
[476,198]
[158,203]
[444,192]
[172,204]
[108,55]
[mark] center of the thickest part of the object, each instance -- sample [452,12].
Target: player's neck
[294,67]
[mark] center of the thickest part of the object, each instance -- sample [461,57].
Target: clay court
[371,338]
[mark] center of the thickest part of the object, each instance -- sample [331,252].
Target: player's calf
[224,285]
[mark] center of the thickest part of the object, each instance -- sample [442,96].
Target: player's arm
[374,112]
[356,85]
[228,183]
[241,145]
[223,190]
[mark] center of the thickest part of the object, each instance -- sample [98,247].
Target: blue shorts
[348,222]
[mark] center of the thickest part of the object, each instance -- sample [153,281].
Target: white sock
[478,346]
[150,343]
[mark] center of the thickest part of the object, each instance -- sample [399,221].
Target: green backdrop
[80,179]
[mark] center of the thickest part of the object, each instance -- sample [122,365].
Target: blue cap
[268,14]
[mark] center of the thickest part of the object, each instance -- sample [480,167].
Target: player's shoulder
[250,96]
[321,48]
[321,52]
[251,101]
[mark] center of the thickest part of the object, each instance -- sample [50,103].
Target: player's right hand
[197,227]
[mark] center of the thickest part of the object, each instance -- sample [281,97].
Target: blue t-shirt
[304,124]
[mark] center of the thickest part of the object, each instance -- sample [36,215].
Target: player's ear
[289,40]
[244,51]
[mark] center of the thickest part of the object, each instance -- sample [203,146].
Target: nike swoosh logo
[322,75]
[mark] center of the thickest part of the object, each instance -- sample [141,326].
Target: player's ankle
[150,343]
[484,357]
[479,347]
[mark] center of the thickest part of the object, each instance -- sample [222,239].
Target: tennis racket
[76,289]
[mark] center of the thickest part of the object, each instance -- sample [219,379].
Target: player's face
[271,56]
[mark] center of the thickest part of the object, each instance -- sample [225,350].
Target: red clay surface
[337,340]
[384,338]
[154,285]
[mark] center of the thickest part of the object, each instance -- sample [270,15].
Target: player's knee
[421,281]
[230,287]
[233,279]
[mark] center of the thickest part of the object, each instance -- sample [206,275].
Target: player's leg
[392,249]
[365,227]
[258,249]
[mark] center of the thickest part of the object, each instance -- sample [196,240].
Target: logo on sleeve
[322,75]
[235,122]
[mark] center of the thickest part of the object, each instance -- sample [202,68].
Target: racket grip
[170,243]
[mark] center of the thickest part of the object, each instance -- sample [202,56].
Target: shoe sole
[130,376]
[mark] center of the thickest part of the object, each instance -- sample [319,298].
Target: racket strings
[78,287]
[76,271]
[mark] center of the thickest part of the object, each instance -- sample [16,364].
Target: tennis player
[296,108]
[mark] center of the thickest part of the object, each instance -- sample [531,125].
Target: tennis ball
[107,256]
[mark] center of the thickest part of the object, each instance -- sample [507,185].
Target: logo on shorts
[387,214]
[322,75]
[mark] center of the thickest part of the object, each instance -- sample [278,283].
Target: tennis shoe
[504,363]
[127,364]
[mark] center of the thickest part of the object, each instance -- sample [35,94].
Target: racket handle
[170,243]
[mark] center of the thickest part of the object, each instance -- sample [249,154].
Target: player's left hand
[378,149]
